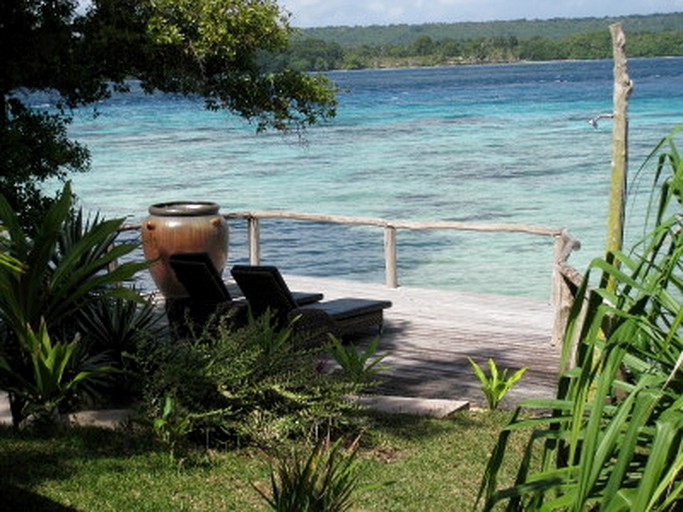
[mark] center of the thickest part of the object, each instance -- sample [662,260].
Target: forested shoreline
[452,44]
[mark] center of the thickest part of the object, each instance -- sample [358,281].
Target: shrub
[245,385]
[49,381]
[358,366]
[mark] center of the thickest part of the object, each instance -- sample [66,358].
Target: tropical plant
[323,481]
[64,270]
[49,382]
[614,438]
[496,385]
[360,366]
[6,260]
[118,326]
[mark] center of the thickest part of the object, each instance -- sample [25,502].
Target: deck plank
[429,334]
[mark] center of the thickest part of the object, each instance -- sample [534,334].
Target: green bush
[252,384]
[49,382]
[613,441]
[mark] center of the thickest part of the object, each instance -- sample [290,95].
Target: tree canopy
[80,54]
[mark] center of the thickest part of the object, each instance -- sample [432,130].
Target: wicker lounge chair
[208,293]
[265,289]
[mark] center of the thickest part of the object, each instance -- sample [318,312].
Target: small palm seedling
[361,366]
[496,385]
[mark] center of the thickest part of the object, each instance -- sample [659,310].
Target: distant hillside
[394,35]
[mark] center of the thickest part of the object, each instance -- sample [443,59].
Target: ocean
[485,143]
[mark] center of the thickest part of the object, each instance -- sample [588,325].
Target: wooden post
[390,256]
[622,90]
[561,295]
[254,241]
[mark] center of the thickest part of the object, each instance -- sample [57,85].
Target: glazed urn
[182,227]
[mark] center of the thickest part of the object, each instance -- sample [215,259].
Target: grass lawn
[434,465]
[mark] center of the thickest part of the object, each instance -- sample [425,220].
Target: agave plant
[614,440]
[65,266]
[325,480]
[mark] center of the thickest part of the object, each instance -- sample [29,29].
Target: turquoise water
[494,143]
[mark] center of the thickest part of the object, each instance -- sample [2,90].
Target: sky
[323,13]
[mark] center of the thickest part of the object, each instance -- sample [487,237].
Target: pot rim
[184,208]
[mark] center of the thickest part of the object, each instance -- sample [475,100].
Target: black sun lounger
[265,289]
[207,293]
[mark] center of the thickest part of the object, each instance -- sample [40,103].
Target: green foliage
[6,260]
[613,441]
[324,481]
[119,327]
[65,268]
[49,382]
[496,41]
[200,40]
[358,366]
[34,148]
[215,50]
[496,385]
[552,29]
[249,385]
[311,55]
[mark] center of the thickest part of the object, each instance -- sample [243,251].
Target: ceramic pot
[182,227]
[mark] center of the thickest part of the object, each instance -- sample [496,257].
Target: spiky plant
[614,440]
[65,265]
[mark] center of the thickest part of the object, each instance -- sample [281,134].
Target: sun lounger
[207,292]
[265,289]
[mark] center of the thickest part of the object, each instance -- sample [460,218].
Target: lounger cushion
[340,309]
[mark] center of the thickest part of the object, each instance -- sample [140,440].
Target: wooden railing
[565,244]
[564,280]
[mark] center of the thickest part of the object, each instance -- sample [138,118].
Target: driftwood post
[564,278]
[622,90]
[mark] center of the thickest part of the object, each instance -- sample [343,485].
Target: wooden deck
[429,334]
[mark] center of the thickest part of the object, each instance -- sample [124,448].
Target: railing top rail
[397,224]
